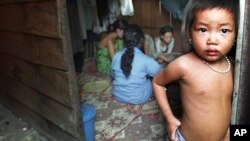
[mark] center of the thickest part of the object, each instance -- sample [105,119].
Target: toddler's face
[213,33]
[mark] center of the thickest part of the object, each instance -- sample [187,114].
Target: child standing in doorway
[205,74]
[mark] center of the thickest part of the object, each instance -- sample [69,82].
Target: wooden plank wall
[37,76]
[241,95]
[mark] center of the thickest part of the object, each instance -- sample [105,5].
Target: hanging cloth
[127,8]
[102,9]
[175,7]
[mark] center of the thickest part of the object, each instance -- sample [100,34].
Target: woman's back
[136,88]
[131,68]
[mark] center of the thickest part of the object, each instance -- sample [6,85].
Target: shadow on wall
[176,7]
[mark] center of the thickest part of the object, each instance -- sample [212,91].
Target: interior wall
[37,75]
[241,97]
[150,15]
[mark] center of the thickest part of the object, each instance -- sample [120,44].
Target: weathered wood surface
[68,55]
[37,78]
[51,82]
[35,49]
[36,120]
[243,91]
[49,109]
[18,1]
[38,18]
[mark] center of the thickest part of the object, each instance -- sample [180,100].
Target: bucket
[88,119]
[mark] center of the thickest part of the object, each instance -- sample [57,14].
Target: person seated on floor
[163,45]
[149,45]
[132,69]
[108,45]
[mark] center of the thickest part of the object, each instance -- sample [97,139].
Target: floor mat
[115,121]
[95,86]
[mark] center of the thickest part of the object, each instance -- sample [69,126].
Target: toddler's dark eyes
[224,30]
[202,29]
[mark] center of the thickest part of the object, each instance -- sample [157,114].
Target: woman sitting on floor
[161,48]
[108,45]
[132,69]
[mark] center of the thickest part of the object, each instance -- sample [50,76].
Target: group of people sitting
[131,58]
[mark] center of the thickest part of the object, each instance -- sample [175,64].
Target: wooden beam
[38,18]
[51,82]
[35,49]
[47,108]
[45,127]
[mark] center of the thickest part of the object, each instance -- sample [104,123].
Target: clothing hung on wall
[127,8]
[176,7]
[102,10]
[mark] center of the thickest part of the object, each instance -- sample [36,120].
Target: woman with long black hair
[132,69]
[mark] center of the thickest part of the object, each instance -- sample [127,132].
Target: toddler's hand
[172,127]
